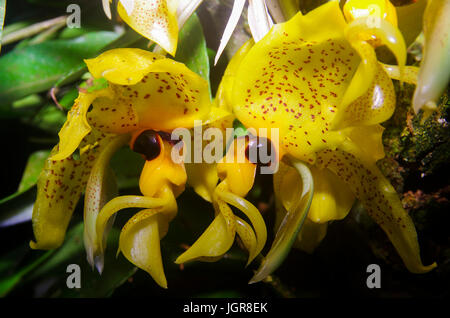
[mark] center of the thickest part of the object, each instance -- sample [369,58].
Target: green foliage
[192,49]
[36,68]
[2,19]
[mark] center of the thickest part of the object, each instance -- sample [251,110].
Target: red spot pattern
[304,82]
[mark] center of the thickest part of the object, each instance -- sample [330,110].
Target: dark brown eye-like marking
[260,151]
[148,144]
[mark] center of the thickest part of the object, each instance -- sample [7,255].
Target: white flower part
[434,73]
[185,9]
[107,8]
[238,6]
[128,6]
[259,19]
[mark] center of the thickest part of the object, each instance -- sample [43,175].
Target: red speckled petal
[295,78]
[154,19]
[59,188]
[379,199]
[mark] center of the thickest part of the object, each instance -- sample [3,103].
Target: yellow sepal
[379,199]
[154,19]
[59,188]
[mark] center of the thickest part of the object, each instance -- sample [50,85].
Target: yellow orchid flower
[317,79]
[147,97]
[236,181]
[432,18]
[434,74]
[157,20]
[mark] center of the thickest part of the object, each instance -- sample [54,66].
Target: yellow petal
[379,33]
[376,105]
[154,19]
[434,74]
[380,201]
[223,95]
[310,236]
[122,66]
[219,236]
[248,238]
[251,212]
[369,140]
[161,172]
[239,176]
[123,202]
[215,241]
[160,94]
[100,188]
[407,74]
[376,9]
[60,185]
[295,78]
[332,198]
[203,178]
[139,243]
[287,188]
[290,225]
[76,126]
[361,34]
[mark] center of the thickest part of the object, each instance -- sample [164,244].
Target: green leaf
[290,226]
[36,68]
[69,33]
[97,84]
[33,168]
[192,49]
[48,118]
[2,19]
[9,282]
[31,101]
[68,99]
[125,40]
[18,207]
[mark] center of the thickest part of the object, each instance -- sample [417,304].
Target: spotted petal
[380,200]
[223,95]
[295,78]
[376,105]
[145,91]
[101,187]
[139,242]
[60,186]
[154,19]
[290,225]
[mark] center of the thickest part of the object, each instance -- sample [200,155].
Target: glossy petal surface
[380,200]
[60,186]
[154,19]
[145,90]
